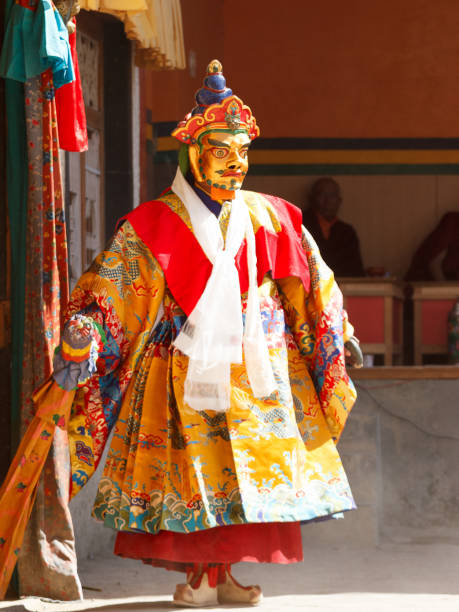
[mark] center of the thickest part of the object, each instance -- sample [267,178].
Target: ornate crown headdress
[216,107]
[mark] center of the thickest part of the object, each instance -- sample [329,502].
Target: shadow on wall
[400,451]
[390,213]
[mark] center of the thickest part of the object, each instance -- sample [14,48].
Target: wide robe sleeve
[320,327]
[121,294]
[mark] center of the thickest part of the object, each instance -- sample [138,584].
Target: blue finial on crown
[214,89]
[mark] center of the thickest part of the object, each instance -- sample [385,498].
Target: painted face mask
[216,137]
[220,160]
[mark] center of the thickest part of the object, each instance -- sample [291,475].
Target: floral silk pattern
[47,561]
[171,468]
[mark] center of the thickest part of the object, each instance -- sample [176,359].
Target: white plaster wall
[400,450]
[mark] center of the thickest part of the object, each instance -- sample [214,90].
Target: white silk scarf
[214,334]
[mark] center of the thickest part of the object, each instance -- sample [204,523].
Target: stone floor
[392,577]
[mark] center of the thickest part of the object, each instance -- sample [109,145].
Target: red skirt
[256,542]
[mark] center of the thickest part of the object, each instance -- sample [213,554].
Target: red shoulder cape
[185,265]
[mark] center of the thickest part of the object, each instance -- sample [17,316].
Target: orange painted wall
[384,68]
[170,94]
[355,69]
[333,69]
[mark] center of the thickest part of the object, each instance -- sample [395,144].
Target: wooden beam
[406,373]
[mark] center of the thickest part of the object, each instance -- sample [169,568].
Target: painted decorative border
[313,156]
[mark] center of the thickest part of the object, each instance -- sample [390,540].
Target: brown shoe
[233,592]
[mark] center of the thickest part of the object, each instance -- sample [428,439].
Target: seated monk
[444,238]
[337,240]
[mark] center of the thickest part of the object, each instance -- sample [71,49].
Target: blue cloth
[212,205]
[36,40]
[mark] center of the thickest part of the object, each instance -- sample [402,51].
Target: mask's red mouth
[232,173]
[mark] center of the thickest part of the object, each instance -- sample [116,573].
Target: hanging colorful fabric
[71,115]
[47,561]
[36,51]
[36,39]
[19,489]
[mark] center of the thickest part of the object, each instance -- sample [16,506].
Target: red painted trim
[435,320]
[368,311]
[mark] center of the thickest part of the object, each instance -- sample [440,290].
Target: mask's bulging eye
[220,153]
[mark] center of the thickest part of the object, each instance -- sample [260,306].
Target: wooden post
[388,330]
[417,332]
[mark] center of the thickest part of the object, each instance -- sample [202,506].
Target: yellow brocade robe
[171,468]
